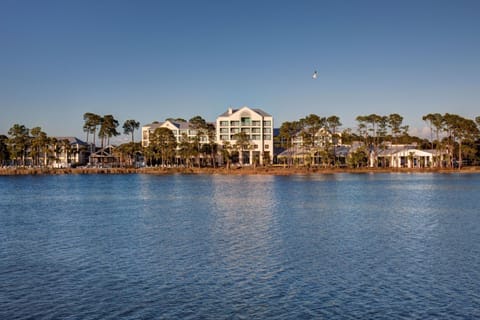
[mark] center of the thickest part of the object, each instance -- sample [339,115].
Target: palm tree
[333,122]
[395,123]
[437,124]
[164,144]
[242,141]
[108,128]
[186,149]
[226,153]
[18,143]
[66,150]
[128,150]
[92,121]
[461,129]
[129,127]
[373,128]
[288,131]
[202,128]
[39,143]
[311,125]
[4,154]
[212,145]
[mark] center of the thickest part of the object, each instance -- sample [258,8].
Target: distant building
[178,128]
[105,157]
[70,151]
[322,138]
[323,148]
[408,156]
[256,125]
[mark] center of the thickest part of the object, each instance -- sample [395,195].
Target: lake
[333,246]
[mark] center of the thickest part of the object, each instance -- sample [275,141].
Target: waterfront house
[105,157]
[323,148]
[70,151]
[323,138]
[407,156]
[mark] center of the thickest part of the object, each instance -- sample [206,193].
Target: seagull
[315,75]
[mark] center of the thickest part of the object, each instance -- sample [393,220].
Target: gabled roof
[72,140]
[181,125]
[294,152]
[153,125]
[261,112]
[105,152]
[233,111]
[405,150]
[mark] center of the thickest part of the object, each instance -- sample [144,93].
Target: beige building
[257,127]
[179,128]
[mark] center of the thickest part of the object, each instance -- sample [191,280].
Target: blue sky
[150,60]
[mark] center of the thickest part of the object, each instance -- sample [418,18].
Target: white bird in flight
[315,75]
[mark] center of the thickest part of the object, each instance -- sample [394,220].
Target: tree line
[453,138]
[23,143]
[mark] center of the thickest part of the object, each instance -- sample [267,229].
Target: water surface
[344,246]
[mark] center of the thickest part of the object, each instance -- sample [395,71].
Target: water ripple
[338,246]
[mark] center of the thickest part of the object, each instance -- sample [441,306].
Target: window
[235,123]
[224,123]
[267,123]
[223,137]
[246,121]
[246,130]
[223,130]
[255,137]
[267,130]
[266,147]
[267,137]
[234,130]
[255,130]
[256,123]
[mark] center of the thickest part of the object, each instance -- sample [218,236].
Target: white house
[405,156]
[256,124]
[69,151]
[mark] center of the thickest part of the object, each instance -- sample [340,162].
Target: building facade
[178,128]
[408,156]
[71,151]
[253,126]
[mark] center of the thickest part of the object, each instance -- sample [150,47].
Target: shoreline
[278,171]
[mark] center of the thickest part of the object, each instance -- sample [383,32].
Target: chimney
[230,110]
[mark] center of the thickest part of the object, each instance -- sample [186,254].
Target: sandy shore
[225,171]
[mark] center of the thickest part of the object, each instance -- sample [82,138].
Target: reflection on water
[306,246]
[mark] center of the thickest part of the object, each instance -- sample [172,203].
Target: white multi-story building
[178,128]
[256,124]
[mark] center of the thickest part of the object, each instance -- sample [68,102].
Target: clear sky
[151,60]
